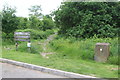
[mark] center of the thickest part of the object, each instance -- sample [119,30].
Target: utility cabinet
[101,52]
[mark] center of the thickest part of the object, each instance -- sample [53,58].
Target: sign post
[29,46]
[22,36]
[16,44]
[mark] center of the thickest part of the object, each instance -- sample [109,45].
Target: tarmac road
[12,71]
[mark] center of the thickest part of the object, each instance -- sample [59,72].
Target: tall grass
[22,47]
[35,47]
[84,49]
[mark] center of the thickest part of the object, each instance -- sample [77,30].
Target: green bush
[3,35]
[7,39]
[84,49]
[9,36]
[49,32]
[84,20]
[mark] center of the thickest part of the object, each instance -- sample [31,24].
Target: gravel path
[50,38]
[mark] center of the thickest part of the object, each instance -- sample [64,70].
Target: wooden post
[29,46]
[16,44]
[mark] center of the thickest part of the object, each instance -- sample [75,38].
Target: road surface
[12,71]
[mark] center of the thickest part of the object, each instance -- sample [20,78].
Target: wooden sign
[22,33]
[22,40]
[22,36]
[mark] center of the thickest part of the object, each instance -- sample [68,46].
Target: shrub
[3,35]
[49,32]
[87,19]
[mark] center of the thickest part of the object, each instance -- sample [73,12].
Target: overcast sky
[23,5]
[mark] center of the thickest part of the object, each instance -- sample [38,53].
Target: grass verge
[72,65]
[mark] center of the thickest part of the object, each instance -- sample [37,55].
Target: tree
[48,23]
[9,20]
[87,19]
[35,23]
[35,16]
[35,11]
[24,23]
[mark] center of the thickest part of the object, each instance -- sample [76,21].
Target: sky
[23,5]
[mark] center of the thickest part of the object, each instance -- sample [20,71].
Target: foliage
[24,23]
[47,23]
[83,49]
[87,19]
[35,23]
[35,11]
[11,23]
[9,20]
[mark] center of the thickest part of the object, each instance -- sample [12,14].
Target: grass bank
[65,57]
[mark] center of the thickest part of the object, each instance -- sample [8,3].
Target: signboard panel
[22,36]
[22,33]
[21,39]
